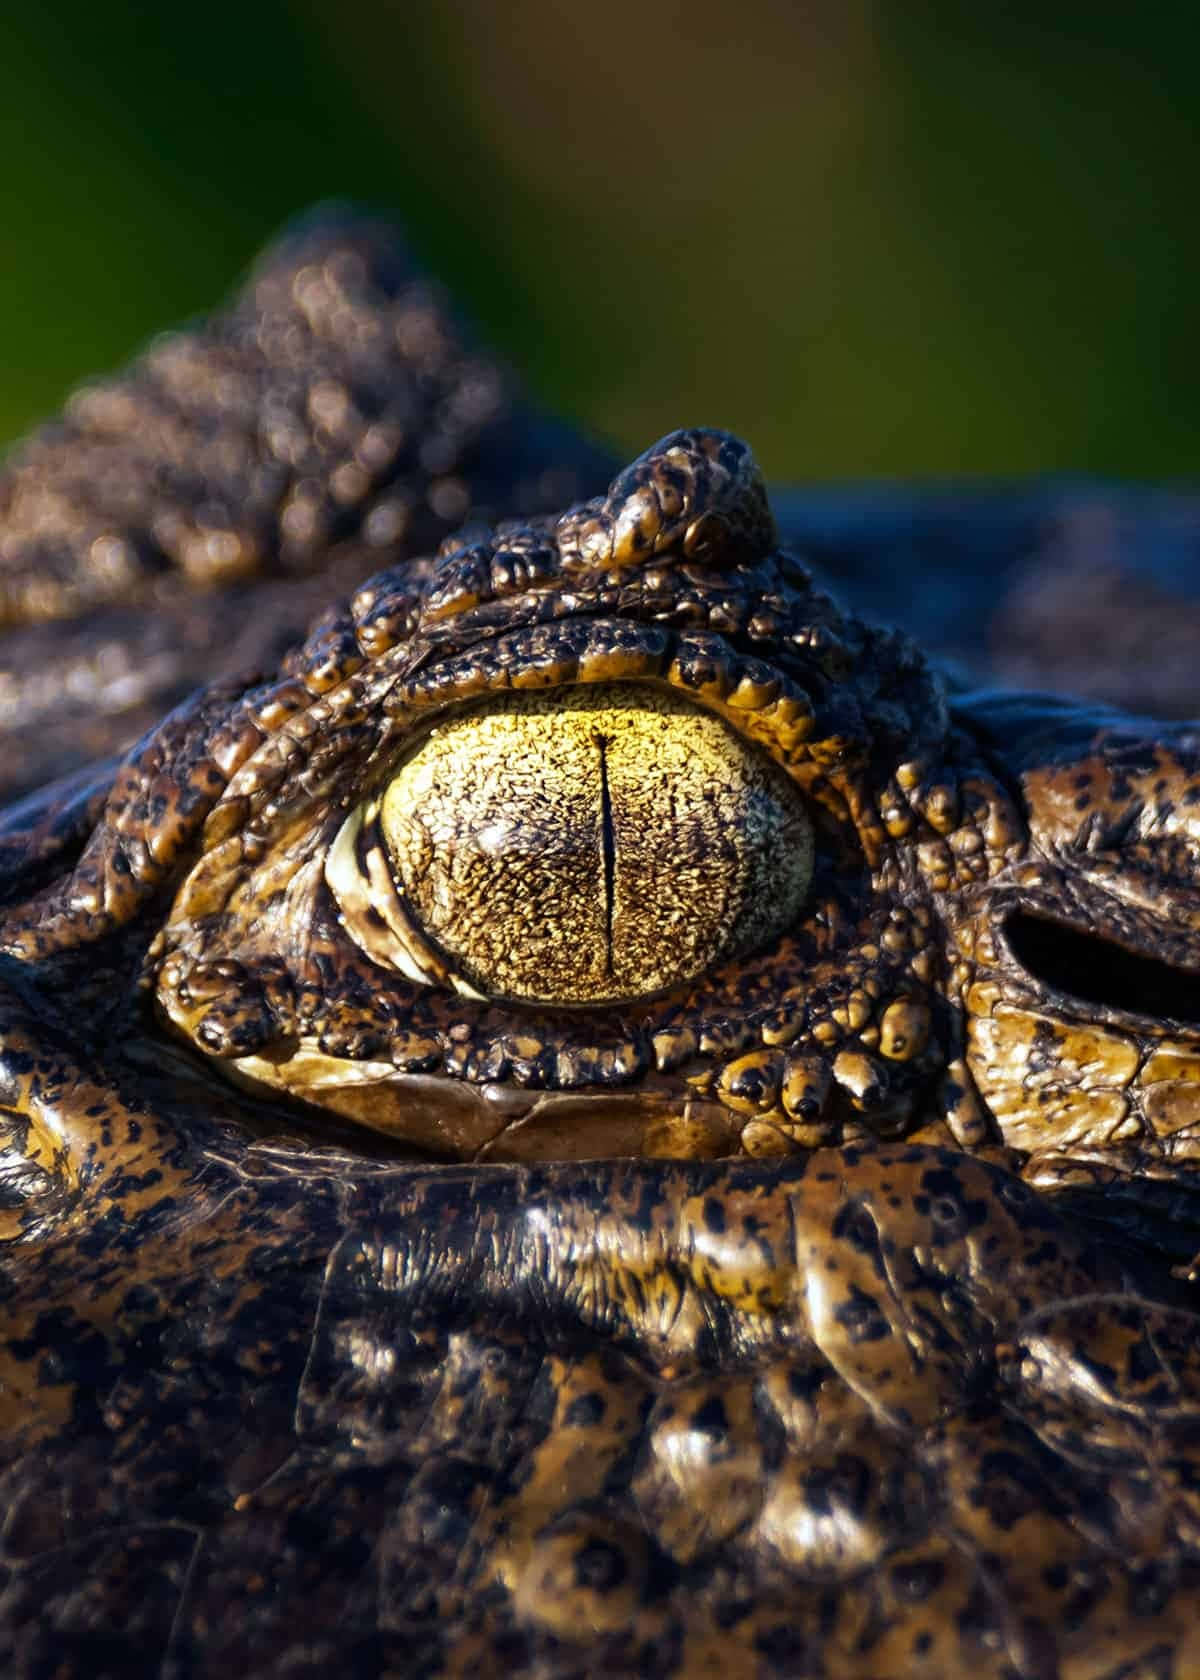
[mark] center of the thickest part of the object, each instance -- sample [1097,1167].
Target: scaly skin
[189,517]
[816,1315]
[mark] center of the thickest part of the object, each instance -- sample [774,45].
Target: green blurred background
[877,238]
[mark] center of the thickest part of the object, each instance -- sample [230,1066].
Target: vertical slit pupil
[609,850]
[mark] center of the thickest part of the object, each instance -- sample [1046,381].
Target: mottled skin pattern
[826,1315]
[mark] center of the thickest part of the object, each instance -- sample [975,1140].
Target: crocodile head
[611,835]
[560,1131]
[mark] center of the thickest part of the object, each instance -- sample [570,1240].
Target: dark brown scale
[825,1314]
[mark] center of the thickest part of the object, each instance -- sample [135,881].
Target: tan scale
[1047,1080]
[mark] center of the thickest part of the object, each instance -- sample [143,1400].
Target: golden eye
[578,846]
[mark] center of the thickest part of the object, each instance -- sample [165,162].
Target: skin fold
[595,1115]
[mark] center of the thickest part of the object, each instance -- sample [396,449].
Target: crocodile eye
[578,846]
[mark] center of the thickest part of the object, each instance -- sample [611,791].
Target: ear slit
[1097,970]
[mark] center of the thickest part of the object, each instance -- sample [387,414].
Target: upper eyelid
[760,702]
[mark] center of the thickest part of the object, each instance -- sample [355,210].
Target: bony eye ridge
[583,846]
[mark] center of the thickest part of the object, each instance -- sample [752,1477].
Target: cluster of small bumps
[252,444]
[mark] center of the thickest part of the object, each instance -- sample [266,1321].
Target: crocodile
[597,1115]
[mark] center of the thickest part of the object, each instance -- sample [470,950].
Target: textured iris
[592,844]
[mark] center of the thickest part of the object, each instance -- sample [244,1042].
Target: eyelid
[371,909]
